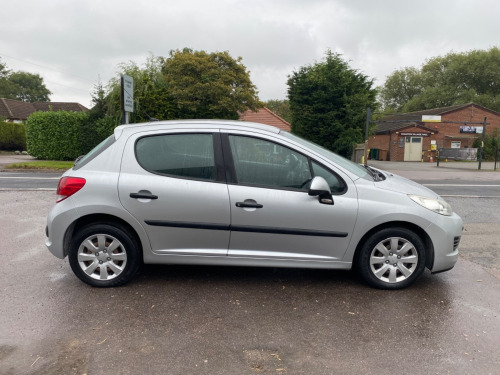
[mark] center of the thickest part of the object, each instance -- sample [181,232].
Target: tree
[151,96]
[24,86]
[209,85]
[328,102]
[400,87]
[456,78]
[280,107]
[6,86]
[29,87]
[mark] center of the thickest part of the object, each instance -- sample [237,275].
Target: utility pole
[482,145]
[496,153]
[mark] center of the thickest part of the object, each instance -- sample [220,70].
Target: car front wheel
[392,258]
[104,255]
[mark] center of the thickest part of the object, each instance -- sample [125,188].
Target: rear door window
[178,155]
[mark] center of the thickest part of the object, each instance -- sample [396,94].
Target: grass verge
[42,164]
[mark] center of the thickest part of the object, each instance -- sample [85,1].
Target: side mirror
[320,188]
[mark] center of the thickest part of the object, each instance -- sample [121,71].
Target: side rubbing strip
[181,224]
[296,232]
[248,229]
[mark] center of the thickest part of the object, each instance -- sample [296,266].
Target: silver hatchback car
[235,193]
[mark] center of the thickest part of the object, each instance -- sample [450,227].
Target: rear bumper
[60,218]
[443,233]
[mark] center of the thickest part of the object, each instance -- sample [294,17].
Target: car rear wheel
[104,255]
[392,258]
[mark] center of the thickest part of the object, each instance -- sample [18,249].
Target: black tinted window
[260,162]
[182,155]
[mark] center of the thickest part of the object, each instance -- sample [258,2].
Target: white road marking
[460,185]
[469,196]
[28,189]
[29,178]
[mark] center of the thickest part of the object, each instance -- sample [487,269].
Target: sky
[73,44]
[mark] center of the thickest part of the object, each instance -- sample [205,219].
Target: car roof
[223,124]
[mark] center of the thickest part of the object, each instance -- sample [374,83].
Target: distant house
[18,111]
[265,116]
[416,136]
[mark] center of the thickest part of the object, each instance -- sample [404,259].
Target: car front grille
[456,242]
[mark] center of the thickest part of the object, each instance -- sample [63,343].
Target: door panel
[191,215]
[289,224]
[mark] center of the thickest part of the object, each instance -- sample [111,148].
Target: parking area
[216,320]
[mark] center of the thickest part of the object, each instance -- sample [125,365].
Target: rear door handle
[143,196]
[248,205]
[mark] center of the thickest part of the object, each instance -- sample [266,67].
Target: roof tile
[265,116]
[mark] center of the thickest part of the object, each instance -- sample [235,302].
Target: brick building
[407,137]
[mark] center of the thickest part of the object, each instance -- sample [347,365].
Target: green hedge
[61,135]
[12,136]
[490,144]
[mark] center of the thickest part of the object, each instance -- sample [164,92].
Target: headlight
[437,205]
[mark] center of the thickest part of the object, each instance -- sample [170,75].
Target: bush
[60,135]
[490,144]
[12,136]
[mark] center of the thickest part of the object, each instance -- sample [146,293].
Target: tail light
[68,186]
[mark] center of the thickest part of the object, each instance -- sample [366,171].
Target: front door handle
[248,205]
[143,196]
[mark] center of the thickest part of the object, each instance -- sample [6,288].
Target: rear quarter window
[92,154]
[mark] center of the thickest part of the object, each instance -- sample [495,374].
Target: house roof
[59,106]
[15,109]
[403,120]
[265,116]
[18,110]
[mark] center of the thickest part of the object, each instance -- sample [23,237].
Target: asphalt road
[216,320]
[443,187]
[28,181]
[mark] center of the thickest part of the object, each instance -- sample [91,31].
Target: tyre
[392,258]
[104,255]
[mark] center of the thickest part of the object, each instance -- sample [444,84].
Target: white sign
[471,129]
[427,118]
[128,93]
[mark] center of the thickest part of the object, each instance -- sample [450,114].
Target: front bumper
[443,233]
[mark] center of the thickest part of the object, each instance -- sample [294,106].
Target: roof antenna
[151,119]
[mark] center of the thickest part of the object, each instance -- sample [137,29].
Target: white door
[413,148]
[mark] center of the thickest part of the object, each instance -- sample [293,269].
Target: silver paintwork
[115,173]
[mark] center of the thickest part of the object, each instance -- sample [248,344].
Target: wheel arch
[95,218]
[429,247]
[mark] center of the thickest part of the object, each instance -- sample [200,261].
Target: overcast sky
[71,43]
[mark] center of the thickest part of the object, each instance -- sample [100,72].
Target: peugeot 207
[209,192]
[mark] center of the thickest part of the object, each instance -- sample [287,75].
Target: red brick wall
[469,114]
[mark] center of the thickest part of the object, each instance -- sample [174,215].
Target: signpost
[127,95]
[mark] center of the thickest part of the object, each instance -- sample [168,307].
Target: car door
[174,184]
[272,215]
